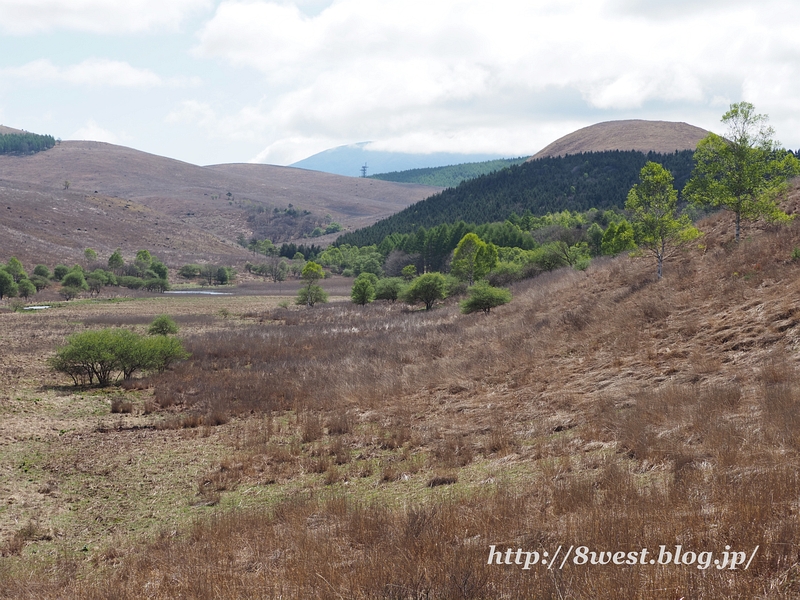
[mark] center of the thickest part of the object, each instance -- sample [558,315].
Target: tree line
[25,143]
[448,176]
[575,182]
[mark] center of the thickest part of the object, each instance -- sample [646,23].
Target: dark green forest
[449,176]
[25,143]
[576,182]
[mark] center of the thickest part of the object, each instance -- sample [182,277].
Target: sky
[225,81]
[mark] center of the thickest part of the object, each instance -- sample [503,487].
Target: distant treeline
[575,182]
[449,176]
[25,143]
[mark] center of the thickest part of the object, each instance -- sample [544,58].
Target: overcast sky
[212,81]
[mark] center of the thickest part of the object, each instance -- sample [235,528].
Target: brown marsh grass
[600,409]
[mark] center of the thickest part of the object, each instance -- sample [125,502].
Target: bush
[59,272]
[363,291]
[41,271]
[311,295]
[69,292]
[75,279]
[133,283]
[162,325]
[389,289]
[100,355]
[189,271]
[483,296]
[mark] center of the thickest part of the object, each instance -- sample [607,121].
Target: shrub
[69,293]
[311,295]
[483,296]
[163,325]
[42,271]
[59,272]
[99,355]
[363,291]
[389,289]
[75,279]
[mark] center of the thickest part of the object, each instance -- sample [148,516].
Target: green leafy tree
[473,258]
[42,271]
[427,288]
[115,261]
[389,289]
[311,293]
[95,284]
[618,237]
[594,235]
[69,292]
[75,279]
[102,356]
[363,291]
[744,172]
[409,272]
[15,269]
[484,297]
[190,271]
[26,288]
[658,227]
[40,282]
[163,325]
[59,271]
[8,289]
[160,269]
[90,255]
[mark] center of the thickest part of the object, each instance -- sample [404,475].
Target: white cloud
[91,72]
[20,17]
[423,76]
[92,131]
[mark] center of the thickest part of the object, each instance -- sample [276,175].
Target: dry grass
[378,452]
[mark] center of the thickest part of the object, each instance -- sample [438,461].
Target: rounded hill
[663,137]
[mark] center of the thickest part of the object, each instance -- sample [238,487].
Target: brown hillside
[187,207]
[6,130]
[645,136]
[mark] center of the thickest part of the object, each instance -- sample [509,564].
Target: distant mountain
[451,175]
[58,202]
[662,137]
[348,160]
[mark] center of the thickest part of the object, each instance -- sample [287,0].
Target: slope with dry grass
[663,137]
[120,197]
[377,452]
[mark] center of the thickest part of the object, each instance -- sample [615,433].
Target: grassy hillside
[374,452]
[91,194]
[576,182]
[663,137]
[449,176]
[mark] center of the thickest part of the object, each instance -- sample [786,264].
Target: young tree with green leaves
[163,325]
[363,291]
[115,261]
[90,255]
[653,202]
[8,289]
[311,293]
[473,258]
[744,172]
[15,269]
[427,288]
[484,297]
[389,289]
